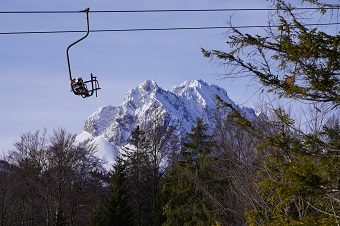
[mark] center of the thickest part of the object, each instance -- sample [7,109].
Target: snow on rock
[105,150]
[109,127]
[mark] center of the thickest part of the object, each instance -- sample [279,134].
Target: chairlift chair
[78,86]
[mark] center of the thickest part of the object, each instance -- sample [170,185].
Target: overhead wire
[159,10]
[157,29]
[155,11]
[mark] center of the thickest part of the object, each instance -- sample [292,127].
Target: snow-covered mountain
[110,126]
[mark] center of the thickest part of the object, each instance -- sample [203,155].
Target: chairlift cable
[158,29]
[161,10]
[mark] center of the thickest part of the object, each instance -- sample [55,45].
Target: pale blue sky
[35,90]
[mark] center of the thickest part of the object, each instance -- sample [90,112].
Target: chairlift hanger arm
[87,33]
[78,85]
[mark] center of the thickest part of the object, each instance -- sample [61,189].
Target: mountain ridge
[109,127]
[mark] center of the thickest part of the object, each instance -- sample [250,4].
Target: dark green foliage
[145,158]
[299,179]
[298,182]
[116,209]
[233,115]
[98,217]
[119,208]
[197,149]
[310,55]
[189,180]
[161,143]
[138,172]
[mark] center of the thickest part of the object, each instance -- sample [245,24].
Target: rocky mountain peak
[110,126]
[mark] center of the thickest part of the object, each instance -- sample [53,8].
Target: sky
[35,92]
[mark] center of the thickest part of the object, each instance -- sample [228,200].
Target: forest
[279,169]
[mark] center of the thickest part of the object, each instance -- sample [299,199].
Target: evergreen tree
[161,144]
[119,209]
[299,181]
[139,175]
[188,182]
[116,210]
[98,217]
[292,60]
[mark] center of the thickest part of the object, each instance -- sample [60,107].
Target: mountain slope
[110,126]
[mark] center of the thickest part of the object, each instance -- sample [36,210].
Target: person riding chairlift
[79,86]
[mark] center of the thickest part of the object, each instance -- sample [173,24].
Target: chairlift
[78,86]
